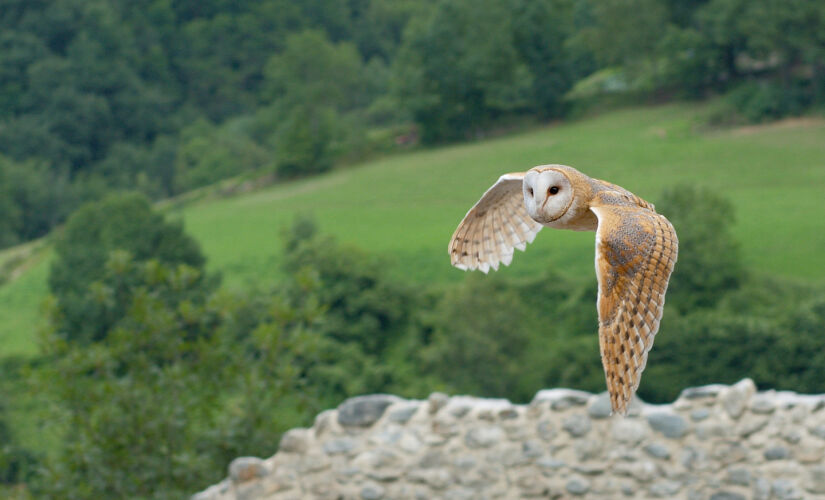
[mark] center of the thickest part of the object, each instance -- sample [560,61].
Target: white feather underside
[494,227]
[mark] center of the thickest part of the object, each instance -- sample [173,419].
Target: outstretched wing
[635,253]
[495,225]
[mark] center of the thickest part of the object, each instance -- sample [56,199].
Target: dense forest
[153,375]
[165,96]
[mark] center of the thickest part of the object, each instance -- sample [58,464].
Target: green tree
[379,28]
[480,340]
[730,342]
[207,154]
[541,30]
[305,140]
[625,33]
[790,32]
[10,222]
[17,51]
[33,199]
[368,316]
[547,323]
[100,238]
[689,61]
[196,383]
[16,462]
[311,70]
[458,69]
[710,263]
[312,85]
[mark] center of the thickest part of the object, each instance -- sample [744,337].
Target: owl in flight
[635,252]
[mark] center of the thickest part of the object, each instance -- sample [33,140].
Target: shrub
[94,270]
[709,263]
[760,101]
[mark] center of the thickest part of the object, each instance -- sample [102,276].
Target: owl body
[636,250]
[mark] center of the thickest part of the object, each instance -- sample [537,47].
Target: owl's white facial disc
[547,195]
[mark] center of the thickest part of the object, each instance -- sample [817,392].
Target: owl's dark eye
[553,190]
[530,191]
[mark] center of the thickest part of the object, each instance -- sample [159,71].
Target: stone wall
[714,442]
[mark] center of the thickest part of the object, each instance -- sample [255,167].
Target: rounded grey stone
[763,405]
[777,453]
[483,437]
[346,473]
[761,489]
[665,488]
[437,479]
[695,495]
[459,493]
[465,462]
[577,425]
[739,476]
[244,469]
[816,479]
[735,399]
[669,424]
[513,456]
[702,392]
[561,399]
[437,401]
[590,469]
[784,489]
[712,429]
[792,436]
[600,407]
[588,449]
[404,414]
[532,448]
[433,458]
[294,441]
[699,414]
[577,485]
[818,431]
[409,442]
[751,427]
[629,431]
[694,458]
[628,489]
[372,491]
[385,437]
[550,463]
[729,451]
[378,458]
[339,446]
[443,425]
[727,495]
[508,414]
[657,450]
[643,471]
[363,411]
[460,411]
[545,430]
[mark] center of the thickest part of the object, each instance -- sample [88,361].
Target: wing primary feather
[497,242]
[631,293]
[493,228]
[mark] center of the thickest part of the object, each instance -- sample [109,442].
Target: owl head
[548,193]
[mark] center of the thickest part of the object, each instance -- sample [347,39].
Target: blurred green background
[221,217]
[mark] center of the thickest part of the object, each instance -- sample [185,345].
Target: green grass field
[407,206]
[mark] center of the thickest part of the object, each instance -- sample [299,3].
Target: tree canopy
[165,96]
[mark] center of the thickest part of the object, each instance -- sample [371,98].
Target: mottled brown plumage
[636,250]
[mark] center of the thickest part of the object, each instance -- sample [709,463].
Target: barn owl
[635,254]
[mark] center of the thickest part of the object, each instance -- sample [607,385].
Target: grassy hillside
[407,206]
